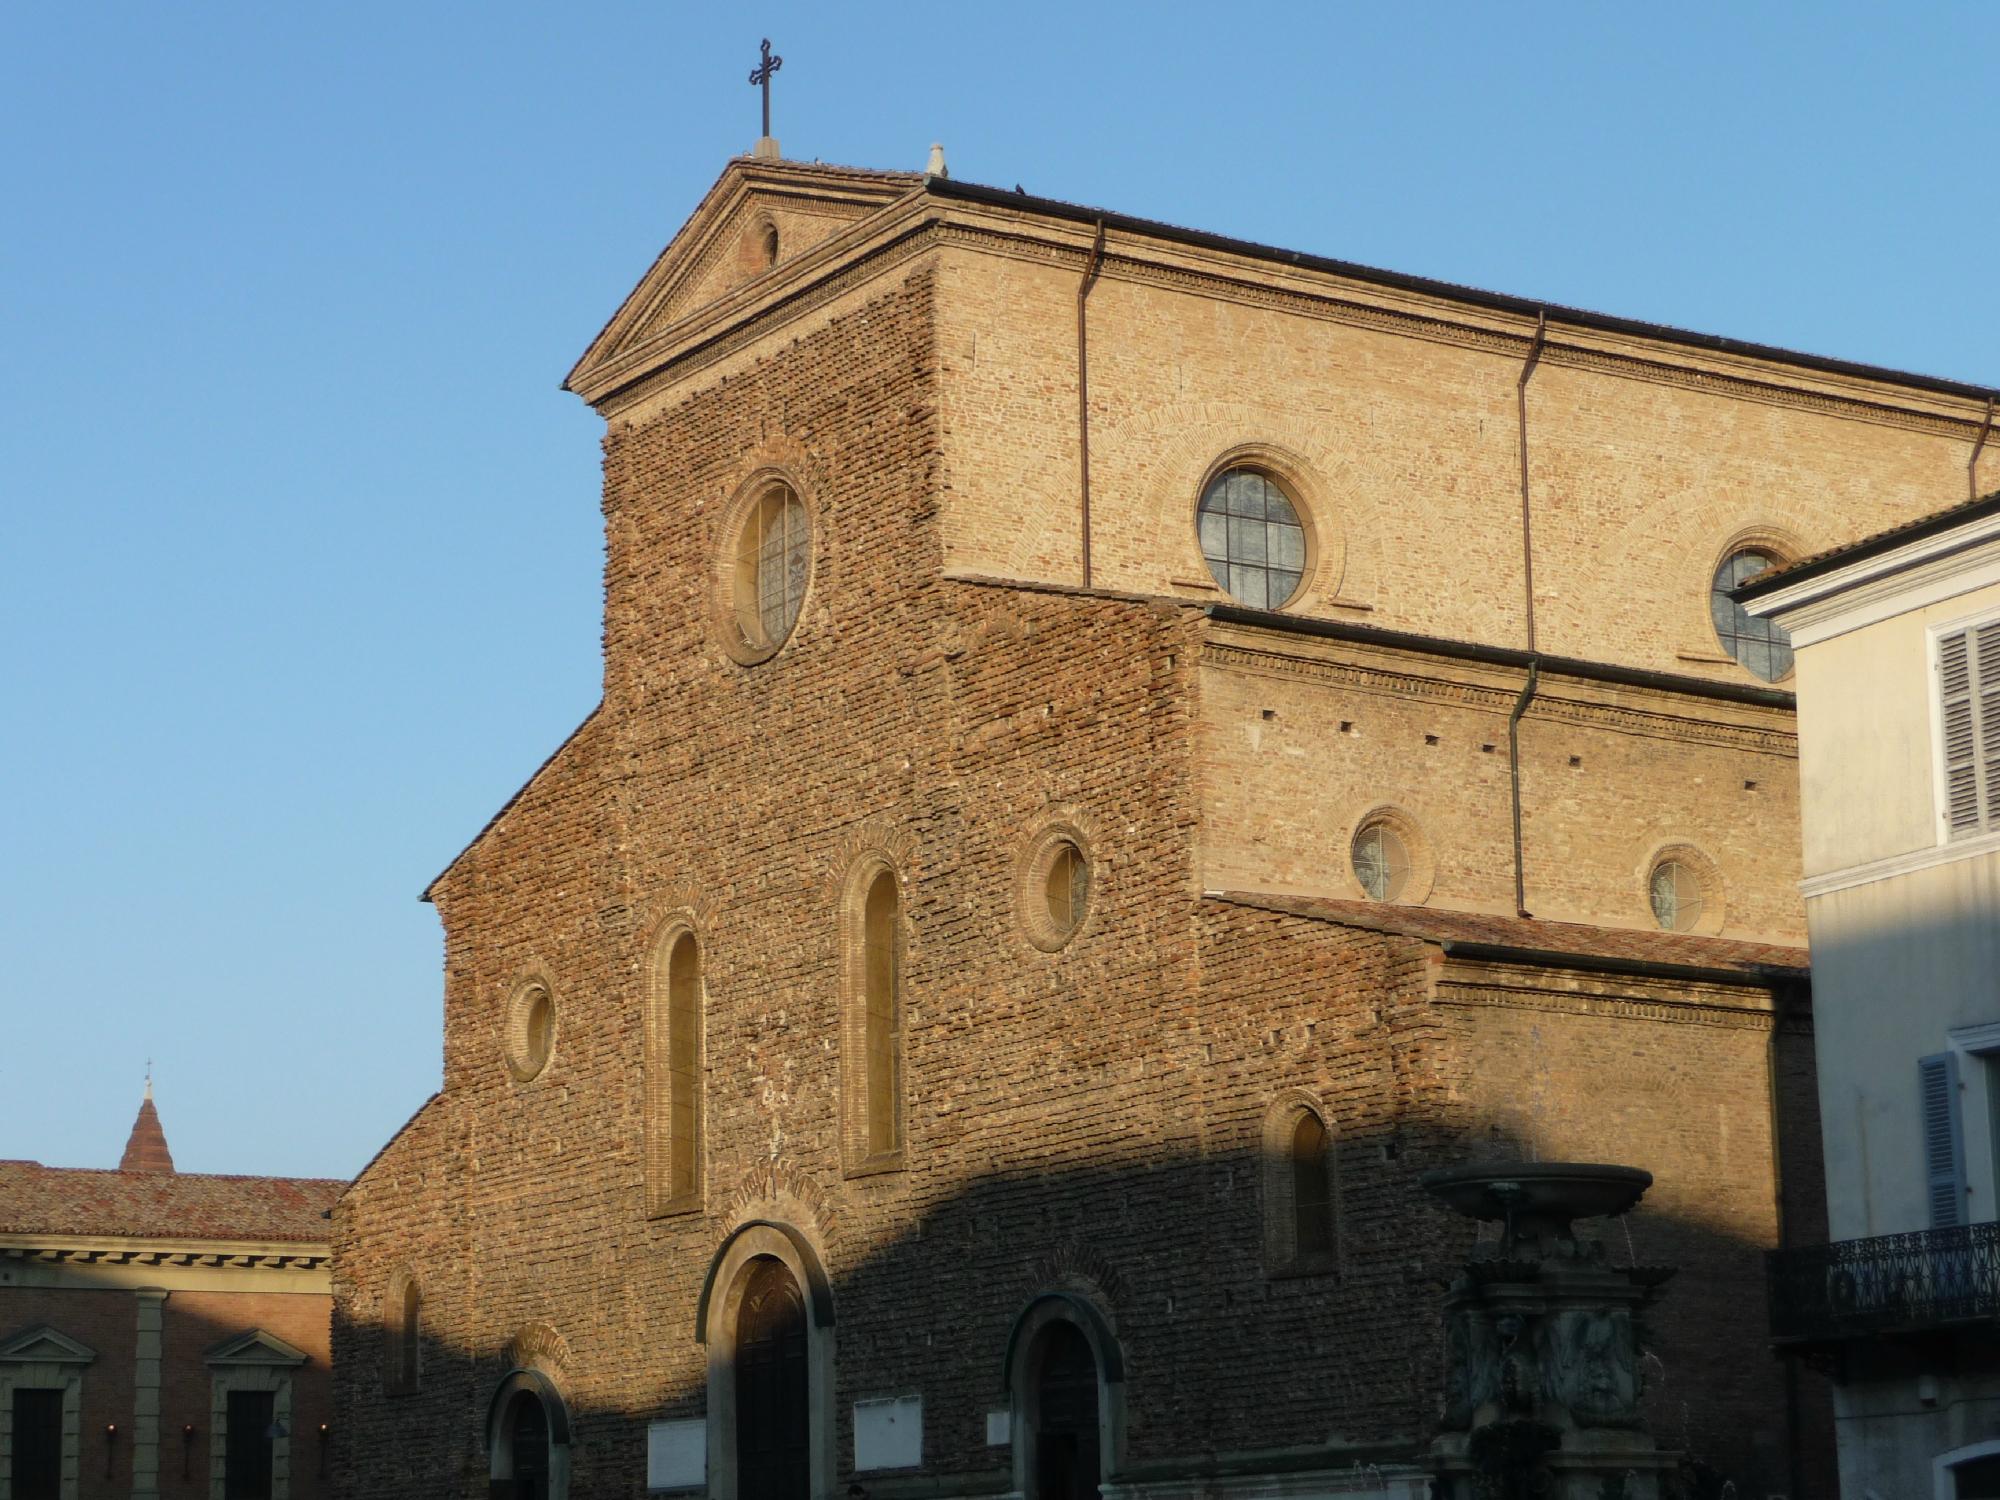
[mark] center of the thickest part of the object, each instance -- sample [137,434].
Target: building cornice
[1878,586]
[108,1250]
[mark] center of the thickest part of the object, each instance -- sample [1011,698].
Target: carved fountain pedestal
[1542,1378]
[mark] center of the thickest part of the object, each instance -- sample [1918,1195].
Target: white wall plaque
[677,1454]
[999,1428]
[889,1434]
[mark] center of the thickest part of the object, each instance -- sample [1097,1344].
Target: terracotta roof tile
[35,1199]
[1772,579]
[1577,939]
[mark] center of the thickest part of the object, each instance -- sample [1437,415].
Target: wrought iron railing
[1890,1282]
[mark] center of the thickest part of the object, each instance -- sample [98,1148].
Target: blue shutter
[1944,1139]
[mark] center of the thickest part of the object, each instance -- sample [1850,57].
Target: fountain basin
[1538,1200]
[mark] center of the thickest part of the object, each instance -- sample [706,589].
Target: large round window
[1381,861]
[1675,889]
[772,565]
[1762,647]
[1252,538]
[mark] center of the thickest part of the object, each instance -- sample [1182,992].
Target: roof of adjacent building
[35,1199]
[1772,579]
[1525,937]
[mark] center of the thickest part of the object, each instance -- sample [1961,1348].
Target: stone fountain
[1542,1379]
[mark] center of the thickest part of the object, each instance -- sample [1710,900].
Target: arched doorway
[527,1439]
[1065,1381]
[773,1418]
[1064,1411]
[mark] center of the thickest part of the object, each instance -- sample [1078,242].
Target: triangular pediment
[255,1348]
[44,1346]
[725,247]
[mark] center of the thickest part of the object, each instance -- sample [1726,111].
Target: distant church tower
[147,1151]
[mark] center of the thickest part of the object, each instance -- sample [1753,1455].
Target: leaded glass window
[1760,645]
[1381,861]
[1676,895]
[1252,538]
[773,561]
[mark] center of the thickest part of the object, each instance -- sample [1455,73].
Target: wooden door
[246,1464]
[772,1425]
[530,1440]
[1066,1417]
[37,1468]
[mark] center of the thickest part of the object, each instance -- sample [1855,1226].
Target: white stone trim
[759,1241]
[253,1361]
[1928,857]
[1872,589]
[1944,1486]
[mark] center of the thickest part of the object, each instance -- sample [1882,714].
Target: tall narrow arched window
[882,1022]
[1301,1202]
[408,1345]
[674,1074]
[402,1333]
[1312,1196]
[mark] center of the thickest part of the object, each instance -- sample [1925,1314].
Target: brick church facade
[1119,750]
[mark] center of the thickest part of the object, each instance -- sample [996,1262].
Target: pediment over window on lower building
[44,1346]
[255,1348]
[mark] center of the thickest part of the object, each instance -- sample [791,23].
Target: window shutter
[1944,1139]
[1986,672]
[1961,777]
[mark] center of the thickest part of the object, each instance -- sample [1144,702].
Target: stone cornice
[110,1251]
[1468,989]
[1426,681]
[1322,295]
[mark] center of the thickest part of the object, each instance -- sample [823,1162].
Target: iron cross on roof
[761,75]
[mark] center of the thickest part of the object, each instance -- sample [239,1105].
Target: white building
[1898,677]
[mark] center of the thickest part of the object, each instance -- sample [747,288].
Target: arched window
[881,967]
[1301,1222]
[1312,1198]
[674,1075]
[402,1320]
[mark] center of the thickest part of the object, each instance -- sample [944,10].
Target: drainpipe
[1972,463]
[1083,388]
[1782,996]
[1528,587]
[1514,775]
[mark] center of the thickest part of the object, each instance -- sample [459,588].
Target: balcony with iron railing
[1892,1283]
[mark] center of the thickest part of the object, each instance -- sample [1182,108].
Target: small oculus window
[1381,862]
[1764,649]
[1054,882]
[531,1029]
[1067,887]
[772,565]
[1676,891]
[1251,538]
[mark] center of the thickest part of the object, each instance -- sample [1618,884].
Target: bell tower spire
[146,1150]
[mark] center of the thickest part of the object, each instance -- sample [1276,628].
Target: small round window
[531,1029]
[1066,887]
[1054,882]
[1761,646]
[1675,889]
[1381,862]
[1252,538]
[773,562]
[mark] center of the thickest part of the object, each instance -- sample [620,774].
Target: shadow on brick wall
[1230,1361]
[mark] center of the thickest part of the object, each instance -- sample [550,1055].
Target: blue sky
[301,539]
